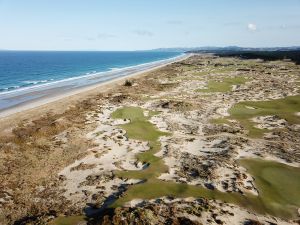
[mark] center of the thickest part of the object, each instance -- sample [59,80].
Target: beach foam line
[106,83]
[91,75]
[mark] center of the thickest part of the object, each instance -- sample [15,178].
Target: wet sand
[67,93]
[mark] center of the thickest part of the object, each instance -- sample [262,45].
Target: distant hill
[292,53]
[225,49]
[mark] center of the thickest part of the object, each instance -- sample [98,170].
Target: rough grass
[30,157]
[223,86]
[226,69]
[284,108]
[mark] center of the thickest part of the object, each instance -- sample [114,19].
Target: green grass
[274,198]
[223,86]
[158,188]
[284,108]
[221,121]
[132,113]
[278,185]
[140,128]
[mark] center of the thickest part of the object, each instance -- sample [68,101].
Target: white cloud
[143,33]
[105,36]
[252,27]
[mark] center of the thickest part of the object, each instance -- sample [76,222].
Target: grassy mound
[285,108]
[223,86]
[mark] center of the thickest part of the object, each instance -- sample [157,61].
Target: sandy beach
[61,98]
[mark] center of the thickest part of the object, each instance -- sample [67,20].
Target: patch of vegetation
[223,86]
[29,154]
[226,69]
[131,113]
[157,188]
[152,113]
[188,78]
[265,203]
[128,83]
[221,121]
[188,67]
[294,55]
[140,128]
[284,108]
[278,184]
[200,73]
[266,55]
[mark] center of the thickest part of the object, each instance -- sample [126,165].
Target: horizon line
[153,49]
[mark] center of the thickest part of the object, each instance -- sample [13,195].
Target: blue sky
[147,24]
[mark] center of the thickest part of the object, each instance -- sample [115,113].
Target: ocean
[26,75]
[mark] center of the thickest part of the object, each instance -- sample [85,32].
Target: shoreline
[90,76]
[84,90]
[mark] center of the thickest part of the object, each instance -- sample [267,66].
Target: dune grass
[285,108]
[223,86]
[226,69]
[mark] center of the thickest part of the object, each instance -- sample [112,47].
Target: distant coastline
[33,96]
[22,69]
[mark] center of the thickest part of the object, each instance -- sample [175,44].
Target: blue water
[32,76]
[19,69]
